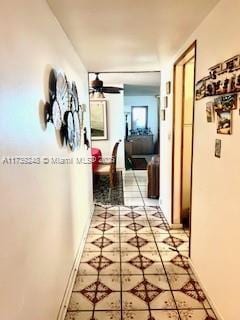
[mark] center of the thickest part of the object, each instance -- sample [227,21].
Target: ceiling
[128,35]
[135,83]
[129,78]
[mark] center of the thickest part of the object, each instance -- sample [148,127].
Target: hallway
[78,76]
[135,267]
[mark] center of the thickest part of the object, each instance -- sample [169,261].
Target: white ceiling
[129,78]
[128,35]
[135,83]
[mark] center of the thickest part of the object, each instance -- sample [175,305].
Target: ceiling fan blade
[111,89]
[118,88]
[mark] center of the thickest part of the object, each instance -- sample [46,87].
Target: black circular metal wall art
[65,112]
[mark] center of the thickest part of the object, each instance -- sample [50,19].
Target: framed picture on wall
[139,117]
[168,87]
[165,102]
[163,114]
[224,122]
[218,148]
[210,111]
[98,116]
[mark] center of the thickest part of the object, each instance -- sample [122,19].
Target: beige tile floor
[135,189]
[134,267]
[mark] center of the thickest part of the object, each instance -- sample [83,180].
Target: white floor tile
[133,202]
[129,179]
[139,173]
[142,187]
[128,188]
[150,202]
[132,194]
[142,183]
[144,193]
[129,183]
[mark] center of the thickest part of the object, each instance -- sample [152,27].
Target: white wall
[44,209]
[116,128]
[151,102]
[216,182]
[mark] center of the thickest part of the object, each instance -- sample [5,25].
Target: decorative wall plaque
[65,112]
[223,78]
[218,148]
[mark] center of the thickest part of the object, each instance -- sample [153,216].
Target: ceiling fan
[97,86]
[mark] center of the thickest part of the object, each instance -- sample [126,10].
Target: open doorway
[183,123]
[124,108]
[141,110]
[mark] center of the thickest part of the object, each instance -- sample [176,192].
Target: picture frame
[139,117]
[231,64]
[218,147]
[168,87]
[98,118]
[223,78]
[226,103]
[210,111]
[163,114]
[165,102]
[224,122]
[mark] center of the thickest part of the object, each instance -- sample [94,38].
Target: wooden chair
[109,168]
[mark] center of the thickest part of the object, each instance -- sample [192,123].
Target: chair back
[114,157]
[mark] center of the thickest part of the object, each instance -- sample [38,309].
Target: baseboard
[176,226]
[218,315]
[71,280]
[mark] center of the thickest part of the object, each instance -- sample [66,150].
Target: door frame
[193,46]
[130,72]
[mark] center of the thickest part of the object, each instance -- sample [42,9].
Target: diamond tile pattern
[141,262]
[100,262]
[135,226]
[96,292]
[104,226]
[146,276]
[173,241]
[137,241]
[146,291]
[105,215]
[102,242]
[192,289]
[180,261]
[163,226]
[132,215]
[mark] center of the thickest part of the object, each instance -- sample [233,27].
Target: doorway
[129,105]
[183,124]
[141,120]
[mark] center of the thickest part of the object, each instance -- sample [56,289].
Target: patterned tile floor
[135,267]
